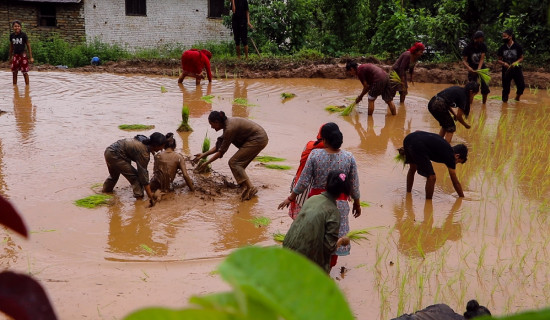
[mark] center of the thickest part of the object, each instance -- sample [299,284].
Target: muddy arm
[460,118]
[456,183]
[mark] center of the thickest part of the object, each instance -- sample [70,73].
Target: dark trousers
[484,87]
[516,74]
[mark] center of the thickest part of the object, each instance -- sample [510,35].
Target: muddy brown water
[104,263]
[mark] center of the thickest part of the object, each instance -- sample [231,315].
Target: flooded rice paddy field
[104,263]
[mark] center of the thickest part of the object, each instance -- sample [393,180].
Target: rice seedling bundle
[278,167]
[147,248]
[347,111]
[205,147]
[135,127]
[93,201]
[394,77]
[286,95]
[163,89]
[184,126]
[260,221]
[332,108]
[364,204]
[208,98]
[484,75]
[357,235]
[268,159]
[279,237]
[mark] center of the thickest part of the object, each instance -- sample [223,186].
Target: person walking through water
[249,137]
[166,165]
[319,163]
[510,55]
[375,82]
[17,54]
[473,58]
[296,205]
[119,157]
[314,233]
[442,104]
[240,21]
[421,148]
[406,62]
[193,61]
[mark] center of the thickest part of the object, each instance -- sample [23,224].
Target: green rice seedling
[484,75]
[242,102]
[495,97]
[268,159]
[278,167]
[147,248]
[347,111]
[364,204]
[332,108]
[136,127]
[286,95]
[205,147]
[207,98]
[93,201]
[279,237]
[260,221]
[145,276]
[184,126]
[163,89]
[394,78]
[358,235]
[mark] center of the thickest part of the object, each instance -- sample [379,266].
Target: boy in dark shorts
[240,21]
[421,148]
[375,82]
[473,58]
[442,104]
[18,56]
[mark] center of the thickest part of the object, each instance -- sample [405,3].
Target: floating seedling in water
[357,235]
[278,167]
[364,204]
[93,201]
[286,95]
[268,159]
[260,221]
[332,108]
[136,127]
[163,89]
[184,126]
[147,248]
[479,97]
[347,111]
[279,237]
[207,98]
[242,102]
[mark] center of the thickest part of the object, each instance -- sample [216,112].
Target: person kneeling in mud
[444,312]
[421,148]
[166,165]
[119,157]
[314,232]
[246,135]
[442,104]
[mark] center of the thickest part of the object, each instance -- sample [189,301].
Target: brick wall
[70,20]
[167,22]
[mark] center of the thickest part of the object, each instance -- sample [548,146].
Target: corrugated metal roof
[51,1]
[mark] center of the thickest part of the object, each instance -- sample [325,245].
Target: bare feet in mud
[248,193]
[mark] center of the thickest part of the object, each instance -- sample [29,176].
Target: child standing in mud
[18,55]
[246,135]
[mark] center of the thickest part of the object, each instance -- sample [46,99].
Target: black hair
[473,86]
[478,34]
[332,135]
[351,65]
[217,116]
[16,21]
[170,141]
[157,139]
[473,310]
[462,152]
[338,183]
[509,32]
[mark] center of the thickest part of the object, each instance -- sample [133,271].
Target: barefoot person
[375,82]
[240,21]
[314,233]
[319,163]
[421,148]
[473,58]
[442,104]
[193,61]
[17,54]
[119,157]
[246,135]
[406,62]
[166,165]
[510,55]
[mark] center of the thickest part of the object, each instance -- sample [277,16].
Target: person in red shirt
[193,61]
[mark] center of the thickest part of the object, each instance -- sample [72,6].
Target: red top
[194,61]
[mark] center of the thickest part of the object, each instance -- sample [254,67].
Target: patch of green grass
[242,102]
[364,204]
[278,167]
[332,108]
[287,95]
[260,221]
[136,127]
[279,237]
[208,98]
[268,159]
[93,201]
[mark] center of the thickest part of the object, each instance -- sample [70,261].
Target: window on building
[46,16]
[136,8]
[216,8]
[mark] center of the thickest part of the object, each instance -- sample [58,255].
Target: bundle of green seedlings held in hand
[357,235]
[184,126]
[395,78]
[205,147]
[347,111]
[484,75]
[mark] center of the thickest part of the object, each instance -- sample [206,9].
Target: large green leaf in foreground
[187,314]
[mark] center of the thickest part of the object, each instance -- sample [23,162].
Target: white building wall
[183,22]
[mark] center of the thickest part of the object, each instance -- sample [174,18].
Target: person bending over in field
[421,148]
[193,61]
